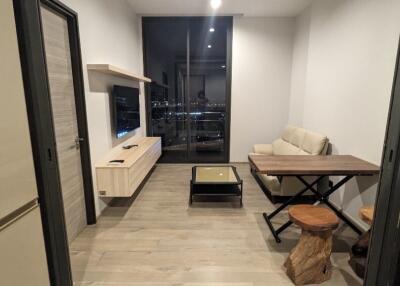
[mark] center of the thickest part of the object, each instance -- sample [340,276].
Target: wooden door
[62,94]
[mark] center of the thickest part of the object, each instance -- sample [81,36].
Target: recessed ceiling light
[212,30]
[215,4]
[209,46]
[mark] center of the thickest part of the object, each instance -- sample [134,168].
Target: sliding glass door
[188,101]
[165,50]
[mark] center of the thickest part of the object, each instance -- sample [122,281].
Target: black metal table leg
[241,193]
[191,193]
[321,198]
[271,227]
[292,199]
[284,226]
[324,199]
[268,217]
[343,218]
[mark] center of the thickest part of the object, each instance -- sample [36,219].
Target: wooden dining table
[300,166]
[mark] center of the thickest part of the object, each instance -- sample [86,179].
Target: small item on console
[129,146]
[116,161]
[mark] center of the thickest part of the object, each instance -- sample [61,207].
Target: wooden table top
[291,165]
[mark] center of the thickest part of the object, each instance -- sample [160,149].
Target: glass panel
[186,102]
[207,89]
[166,65]
[215,175]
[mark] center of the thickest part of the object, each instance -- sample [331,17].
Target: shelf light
[212,30]
[209,46]
[215,4]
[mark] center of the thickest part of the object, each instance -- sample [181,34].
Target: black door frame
[384,248]
[37,94]
[186,21]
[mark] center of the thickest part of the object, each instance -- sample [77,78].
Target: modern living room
[207,142]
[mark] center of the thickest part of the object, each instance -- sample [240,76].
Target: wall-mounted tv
[126,109]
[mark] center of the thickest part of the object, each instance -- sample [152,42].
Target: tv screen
[126,109]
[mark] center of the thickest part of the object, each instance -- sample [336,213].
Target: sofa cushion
[307,142]
[294,135]
[314,143]
[298,137]
[265,149]
[288,133]
[302,152]
[281,147]
[271,182]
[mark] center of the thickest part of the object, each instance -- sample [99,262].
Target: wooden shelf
[116,71]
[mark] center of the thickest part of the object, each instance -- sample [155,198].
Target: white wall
[299,67]
[346,91]
[109,33]
[261,75]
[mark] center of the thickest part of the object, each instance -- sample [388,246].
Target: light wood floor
[158,240]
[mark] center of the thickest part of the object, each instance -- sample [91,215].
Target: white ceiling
[270,8]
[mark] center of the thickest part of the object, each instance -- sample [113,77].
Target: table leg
[191,193]
[241,194]
[321,198]
[343,218]
[324,198]
[268,217]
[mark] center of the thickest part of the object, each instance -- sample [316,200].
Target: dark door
[384,248]
[188,102]
[48,38]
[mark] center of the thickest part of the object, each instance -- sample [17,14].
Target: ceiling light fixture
[212,30]
[224,66]
[209,46]
[215,4]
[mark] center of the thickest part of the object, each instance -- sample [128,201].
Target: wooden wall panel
[62,94]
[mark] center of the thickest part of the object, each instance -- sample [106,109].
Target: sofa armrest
[265,149]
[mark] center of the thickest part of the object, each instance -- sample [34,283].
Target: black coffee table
[215,181]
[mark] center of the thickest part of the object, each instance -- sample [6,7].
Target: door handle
[77,144]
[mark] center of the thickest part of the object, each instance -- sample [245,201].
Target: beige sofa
[294,141]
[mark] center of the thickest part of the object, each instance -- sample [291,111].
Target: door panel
[208,108]
[23,255]
[17,175]
[62,94]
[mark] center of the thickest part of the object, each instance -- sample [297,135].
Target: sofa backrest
[299,141]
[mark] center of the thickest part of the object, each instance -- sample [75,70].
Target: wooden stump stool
[367,214]
[359,251]
[309,262]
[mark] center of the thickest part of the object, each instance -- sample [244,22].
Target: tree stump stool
[359,251]
[309,262]
[367,214]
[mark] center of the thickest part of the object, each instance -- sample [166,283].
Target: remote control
[129,146]
[116,161]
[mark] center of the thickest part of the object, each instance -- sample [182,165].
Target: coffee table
[215,181]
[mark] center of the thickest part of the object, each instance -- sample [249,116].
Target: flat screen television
[126,109]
